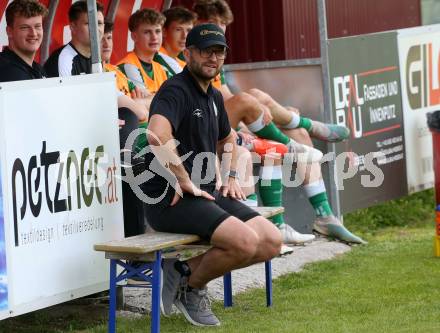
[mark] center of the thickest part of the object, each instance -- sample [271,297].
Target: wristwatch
[233,174]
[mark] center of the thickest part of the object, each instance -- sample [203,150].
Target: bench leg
[155,298]
[112,307]
[227,287]
[268,271]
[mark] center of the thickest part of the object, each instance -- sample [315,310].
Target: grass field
[390,285]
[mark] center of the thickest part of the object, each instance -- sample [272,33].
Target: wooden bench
[150,249]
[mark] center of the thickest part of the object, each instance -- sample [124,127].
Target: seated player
[74,58]
[145,26]
[24,27]
[238,236]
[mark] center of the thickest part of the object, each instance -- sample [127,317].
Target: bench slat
[149,242]
[145,243]
[184,252]
[269,211]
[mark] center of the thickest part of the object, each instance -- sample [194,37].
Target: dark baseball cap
[205,35]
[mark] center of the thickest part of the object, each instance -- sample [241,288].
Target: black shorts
[196,215]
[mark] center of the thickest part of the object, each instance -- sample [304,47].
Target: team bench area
[141,256]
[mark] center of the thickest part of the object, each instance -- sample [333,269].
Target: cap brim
[207,43]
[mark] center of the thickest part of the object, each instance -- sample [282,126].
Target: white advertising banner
[419,56]
[61,187]
[3,269]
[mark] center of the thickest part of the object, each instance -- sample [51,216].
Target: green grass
[391,285]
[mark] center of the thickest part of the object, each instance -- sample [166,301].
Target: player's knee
[246,100]
[273,243]
[254,108]
[270,241]
[258,94]
[246,246]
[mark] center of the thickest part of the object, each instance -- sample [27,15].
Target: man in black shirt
[74,58]
[187,108]
[24,27]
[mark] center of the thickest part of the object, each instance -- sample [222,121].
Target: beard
[197,70]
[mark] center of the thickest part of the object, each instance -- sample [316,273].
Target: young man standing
[74,58]
[24,27]
[293,125]
[188,109]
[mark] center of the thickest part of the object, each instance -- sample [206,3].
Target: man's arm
[162,143]
[139,109]
[133,74]
[65,61]
[142,96]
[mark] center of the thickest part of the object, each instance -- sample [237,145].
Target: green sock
[141,141]
[272,196]
[278,220]
[272,132]
[305,123]
[251,200]
[321,205]
[252,196]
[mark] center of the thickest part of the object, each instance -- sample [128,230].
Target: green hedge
[414,210]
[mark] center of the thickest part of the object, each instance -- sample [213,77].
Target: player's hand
[189,187]
[218,183]
[139,93]
[233,189]
[267,117]
[246,137]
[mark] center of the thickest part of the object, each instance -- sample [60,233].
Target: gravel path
[139,299]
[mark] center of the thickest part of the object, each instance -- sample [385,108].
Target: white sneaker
[329,132]
[303,153]
[332,227]
[285,250]
[291,236]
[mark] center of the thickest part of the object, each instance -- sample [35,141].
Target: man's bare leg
[290,118]
[235,245]
[256,116]
[271,193]
[281,116]
[326,222]
[242,107]
[268,235]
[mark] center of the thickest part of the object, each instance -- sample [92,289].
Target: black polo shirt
[199,121]
[13,68]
